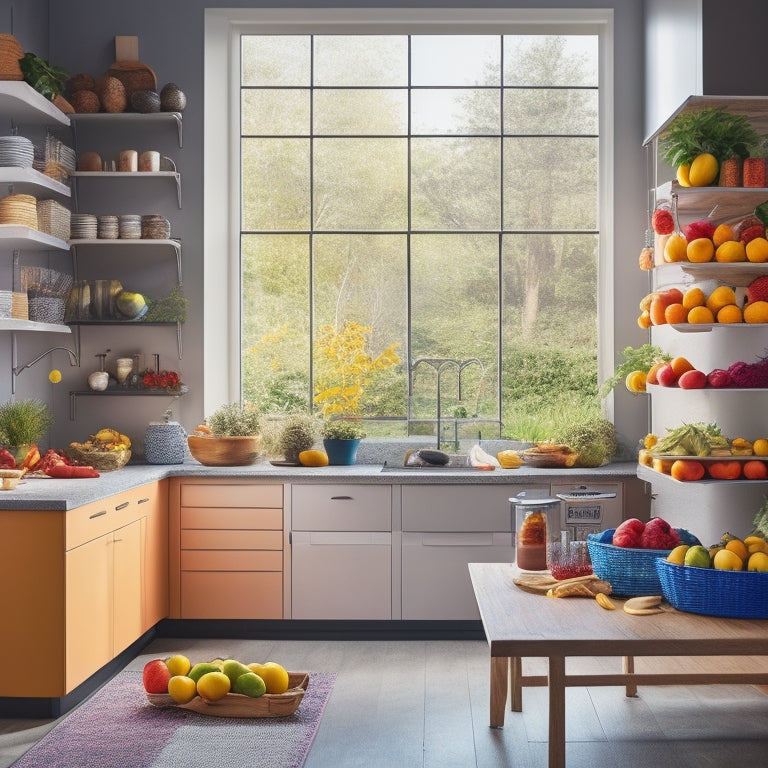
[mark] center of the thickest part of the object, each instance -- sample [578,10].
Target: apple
[155,676]
[629,533]
[692,380]
[666,376]
[698,557]
[719,378]
[658,534]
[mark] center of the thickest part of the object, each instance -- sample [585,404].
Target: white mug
[149,161]
[128,160]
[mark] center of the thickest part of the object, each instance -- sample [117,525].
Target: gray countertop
[50,494]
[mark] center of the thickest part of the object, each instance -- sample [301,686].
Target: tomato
[724,470]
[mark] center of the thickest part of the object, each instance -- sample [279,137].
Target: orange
[685,470]
[652,379]
[694,297]
[730,313]
[730,251]
[739,547]
[699,315]
[720,297]
[676,248]
[759,447]
[680,365]
[644,319]
[722,233]
[756,312]
[675,314]
[700,250]
[724,470]
[657,311]
[755,470]
[757,250]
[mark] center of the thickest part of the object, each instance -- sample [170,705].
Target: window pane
[361,112]
[455,184]
[275,319]
[362,279]
[275,112]
[344,60]
[549,60]
[463,111]
[455,299]
[360,184]
[275,184]
[550,183]
[536,111]
[455,59]
[276,60]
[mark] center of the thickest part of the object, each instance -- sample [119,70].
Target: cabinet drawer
[458,507]
[231,539]
[342,508]
[231,595]
[100,517]
[193,495]
[207,518]
[229,560]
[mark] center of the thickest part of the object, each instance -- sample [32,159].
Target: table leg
[628,666]
[556,712]
[499,676]
[516,684]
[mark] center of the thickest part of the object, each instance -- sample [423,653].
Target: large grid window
[441,191]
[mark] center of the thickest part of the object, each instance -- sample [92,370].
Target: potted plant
[344,369]
[297,433]
[22,424]
[229,438]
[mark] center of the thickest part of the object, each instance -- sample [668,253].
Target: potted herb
[47,79]
[298,433]
[230,437]
[341,439]
[22,424]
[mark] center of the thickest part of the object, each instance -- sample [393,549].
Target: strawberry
[662,222]
[757,290]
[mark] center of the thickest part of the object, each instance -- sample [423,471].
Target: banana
[643,606]
[605,602]
[107,435]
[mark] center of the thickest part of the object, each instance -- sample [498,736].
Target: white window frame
[223,29]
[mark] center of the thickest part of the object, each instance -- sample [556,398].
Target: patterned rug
[118,728]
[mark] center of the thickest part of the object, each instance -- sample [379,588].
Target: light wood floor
[425,704]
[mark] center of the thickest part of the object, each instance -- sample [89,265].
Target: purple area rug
[118,728]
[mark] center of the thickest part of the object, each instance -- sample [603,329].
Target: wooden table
[519,624]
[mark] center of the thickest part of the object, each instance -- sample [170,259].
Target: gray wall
[171,42]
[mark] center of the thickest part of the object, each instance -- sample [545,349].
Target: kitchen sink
[441,470]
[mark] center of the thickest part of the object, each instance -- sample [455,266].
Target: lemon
[699,315]
[274,676]
[313,458]
[182,689]
[758,562]
[703,170]
[760,447]
[213,686]
[54,376]
[635,381]
[683,175]
[727,560]
[676,248]
[178,664]
[677,555]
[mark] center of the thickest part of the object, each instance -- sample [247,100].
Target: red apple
[155,676]
[658,534]
[693,380]
[719,378]
[629,533]
[666,376]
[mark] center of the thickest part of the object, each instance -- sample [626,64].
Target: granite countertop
[50,494]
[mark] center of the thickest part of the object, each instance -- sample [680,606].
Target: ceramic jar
[165,442]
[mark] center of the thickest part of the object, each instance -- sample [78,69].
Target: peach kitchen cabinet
[81,586]
[226,549]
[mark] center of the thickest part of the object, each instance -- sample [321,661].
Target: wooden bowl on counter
[215,451]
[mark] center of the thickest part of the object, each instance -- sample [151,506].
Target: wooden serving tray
[237,705]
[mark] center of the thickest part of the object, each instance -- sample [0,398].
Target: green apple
[233,669]
[698,556]
[250,684]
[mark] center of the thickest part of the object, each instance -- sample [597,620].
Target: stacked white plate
[16,151]
[83,226]
[6,304]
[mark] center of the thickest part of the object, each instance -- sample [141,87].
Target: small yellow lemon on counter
[213,686]
[182,689]
[178,664]
[313,458]
[275,677]
[677,555]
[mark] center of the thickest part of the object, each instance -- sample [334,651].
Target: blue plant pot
[341,452]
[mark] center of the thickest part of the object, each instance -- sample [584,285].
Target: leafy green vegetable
[713,130]
[636,359]
[169,309]
[45,78]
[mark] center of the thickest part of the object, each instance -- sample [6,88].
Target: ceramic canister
[165,442]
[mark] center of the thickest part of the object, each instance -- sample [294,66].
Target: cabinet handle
[123,505]
[142,501]
[341,498]
[97,514]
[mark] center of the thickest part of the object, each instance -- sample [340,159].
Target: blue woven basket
[631,572]
[711,592]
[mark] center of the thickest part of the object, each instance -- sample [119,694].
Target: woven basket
[631,572]
[53,218]
[10,53]
[712,592]
[103,461]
